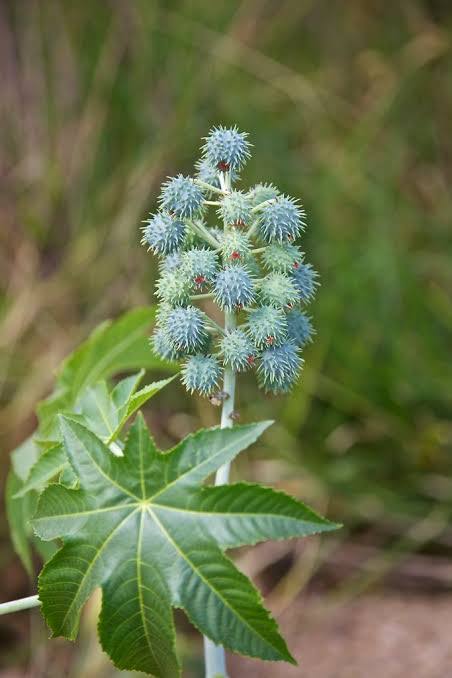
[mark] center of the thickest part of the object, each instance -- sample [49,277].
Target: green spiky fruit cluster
[249,265]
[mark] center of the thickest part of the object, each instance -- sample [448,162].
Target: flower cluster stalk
[214,655]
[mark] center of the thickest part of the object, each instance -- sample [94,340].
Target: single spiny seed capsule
[163,347]
[270,341]
[200,262]
[261,193]
[264,322]
[282,257]
[281,220]
[299,328]
[235,246]
[207,172]
[279,368]
[174,288]
[226,149]
[251,360]
[201,374]
[305,279]
[163,233]
[236,349]
[199,280]
[162,314]
[233,287]
[276,289]
[186,328]
[171,263]
[181,196]
[235,209]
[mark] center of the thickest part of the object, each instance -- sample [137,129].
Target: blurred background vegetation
[349,106]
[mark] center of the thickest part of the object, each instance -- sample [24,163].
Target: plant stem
[199,230]
[196,297]
[263,204]
[21,604]
[214,656]
[209,187]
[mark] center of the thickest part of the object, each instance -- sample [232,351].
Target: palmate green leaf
[143,528]
[103,413]
[19,512]
[113,347]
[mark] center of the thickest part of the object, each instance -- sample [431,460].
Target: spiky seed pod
[282,257]
[235,246]
[174,288]
[209,173]
[237,350]
[235,209]
[277,289]
[233,288]
[299,328]
[163,233]
[201,373]
[279,367]
[281,220]
[262,192]
[226,149]
[170,263]
[252,266]
[181,196]
[163,311]
[305,279]
[163,347]
[266,326]
[186,328]
[201,265]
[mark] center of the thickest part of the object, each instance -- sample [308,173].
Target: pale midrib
[206,582]
[195,469]
[103,415]
[140,444]
[227,514]
[94,560]
[107,477]
[82,514]
[140,585]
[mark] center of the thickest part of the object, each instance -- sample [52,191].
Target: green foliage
[143,528]
[113,347]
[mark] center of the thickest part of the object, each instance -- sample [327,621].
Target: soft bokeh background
[349,105]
